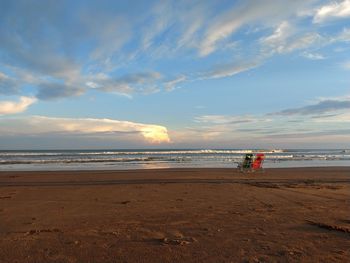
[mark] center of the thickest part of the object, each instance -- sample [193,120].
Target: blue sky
[175,74]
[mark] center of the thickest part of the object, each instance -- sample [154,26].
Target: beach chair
[251,164]
[258,162]
[246,164]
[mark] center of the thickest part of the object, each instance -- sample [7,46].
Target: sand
[176,215]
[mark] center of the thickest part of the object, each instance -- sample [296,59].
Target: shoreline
[137,168]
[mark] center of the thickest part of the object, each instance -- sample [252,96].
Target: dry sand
[176,215]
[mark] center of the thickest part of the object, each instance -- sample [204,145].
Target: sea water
[168,158]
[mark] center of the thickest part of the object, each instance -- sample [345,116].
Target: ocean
[180,158]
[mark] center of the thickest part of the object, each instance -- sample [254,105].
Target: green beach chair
[247,162]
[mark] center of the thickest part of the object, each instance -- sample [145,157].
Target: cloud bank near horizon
[309,125]
[34,126]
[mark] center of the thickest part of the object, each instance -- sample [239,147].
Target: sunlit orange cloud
[155,134]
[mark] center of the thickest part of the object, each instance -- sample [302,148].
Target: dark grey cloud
[52,91]
[319,108]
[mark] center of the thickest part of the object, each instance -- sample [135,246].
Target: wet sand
[176,215]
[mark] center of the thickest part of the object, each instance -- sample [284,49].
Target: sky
[174,74]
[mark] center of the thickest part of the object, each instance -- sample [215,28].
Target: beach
[176,215]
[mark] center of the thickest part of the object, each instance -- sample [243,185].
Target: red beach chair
[258,162]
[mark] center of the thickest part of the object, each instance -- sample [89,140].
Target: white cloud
[229,70]
[12,107]
[312,56]
[187,37]
[250,12]
[37,125]
[334,10]
[302,42]
[171,84]
[160,20]
[285,39]
[279,36]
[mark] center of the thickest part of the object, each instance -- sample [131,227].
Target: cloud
[101,45]
[224,119]
[160,19]
[312,56]
[171,84]
[57,46]
[173,27]
[188,36]
[52,91]
[8,86]
[11,107]
[119,130]
[310,135]
[340,117]
[279,36]
[33,51]
[247,12]
[228,70]
[321,107]
[110,37]
[127,84]
[334,10]
[303,42]
[315,124]
[285,39]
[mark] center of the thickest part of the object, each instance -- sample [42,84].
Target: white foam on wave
[96,160]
